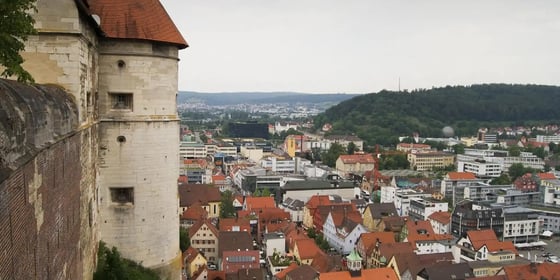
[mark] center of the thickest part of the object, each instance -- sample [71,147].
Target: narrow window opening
[122,195]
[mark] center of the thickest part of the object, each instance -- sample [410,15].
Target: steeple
[354,263]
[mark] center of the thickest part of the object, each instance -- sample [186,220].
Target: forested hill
[381,117]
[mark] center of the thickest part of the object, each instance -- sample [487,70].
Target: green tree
[514,151]
[265,192]
[459,149]
[226,205]
[311,233]
[16,24]
[184,240]
[517,170]
[330,157]
[351,148]
[502,180]
[111,266]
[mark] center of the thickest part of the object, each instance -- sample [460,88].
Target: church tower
[139,132]
[354,264]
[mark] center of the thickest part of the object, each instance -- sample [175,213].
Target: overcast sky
[362,46]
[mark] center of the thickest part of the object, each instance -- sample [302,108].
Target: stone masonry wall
[47,229]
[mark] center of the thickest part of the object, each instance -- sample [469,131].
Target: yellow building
[374,214]
[357,163]
[193,260]
[430,161]
[305,250]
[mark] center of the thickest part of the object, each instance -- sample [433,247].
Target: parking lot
[552,247]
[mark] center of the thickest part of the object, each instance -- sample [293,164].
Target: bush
[111,266]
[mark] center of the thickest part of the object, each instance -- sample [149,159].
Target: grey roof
[379,210]
[233,241]
[316,184]
[446,271]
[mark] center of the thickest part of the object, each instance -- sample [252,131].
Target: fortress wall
[43,172]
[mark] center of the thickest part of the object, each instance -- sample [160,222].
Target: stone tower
[118,60]
[139,132]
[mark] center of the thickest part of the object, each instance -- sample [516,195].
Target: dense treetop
[381,117]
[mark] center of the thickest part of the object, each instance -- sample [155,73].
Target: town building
[206,196]
[403,198]
[413,148]
[304,190]
[479,244]
[521,225]
[193,260]
[454,183]
[204,237]
[430,160]
[550,217]
[192,150]
[279,165]
[422,208]
[375,212]
[369,240]
[341,232]
[424,240]
[312,204]
[295,208]
[354,164]
[441,222]
[237,246]
[192,215]
[479,167]
[470,216]
[274,242]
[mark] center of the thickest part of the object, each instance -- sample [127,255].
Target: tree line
[379,118]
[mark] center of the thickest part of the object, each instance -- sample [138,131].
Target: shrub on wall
[110,265]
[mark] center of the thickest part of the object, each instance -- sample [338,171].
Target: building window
[122,195]
[121,101]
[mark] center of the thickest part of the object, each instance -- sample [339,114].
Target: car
[547,254]
[212,266]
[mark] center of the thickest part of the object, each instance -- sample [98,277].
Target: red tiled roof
[353,159]
[137,19]
[183,179]
[202,163]
[307,248]
[260,202]
[423,231]
[533,271]
[195,212]
[546,176]
[216,275]
[189,255]
[282,274]
[441,217]
[369,239]
[317,200]
[414,146]
[488,237]
[199,224]
[227,224]
[461,176]
[384,273]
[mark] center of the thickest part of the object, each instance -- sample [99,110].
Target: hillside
[381,117]
[233,98]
